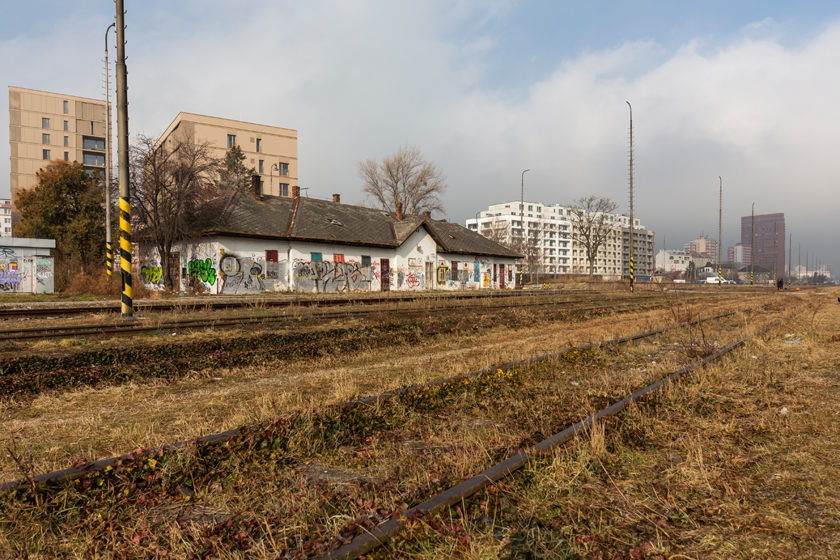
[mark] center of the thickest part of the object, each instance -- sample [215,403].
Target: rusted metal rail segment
[377,536]
[230,303]
[75,472]
[7,311]
[104,329]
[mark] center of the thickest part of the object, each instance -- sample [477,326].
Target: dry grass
[377,461]
[63,428]
[738,461]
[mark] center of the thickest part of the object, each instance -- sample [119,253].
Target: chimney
[256,191]
[337,198]
[399,211]
[295,191]
[427,214]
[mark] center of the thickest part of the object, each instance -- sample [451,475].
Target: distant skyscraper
[703,246]
[769,252]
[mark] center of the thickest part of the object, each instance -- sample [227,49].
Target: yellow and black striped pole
[109,259]
[125,257]
[632,275]
[122,156]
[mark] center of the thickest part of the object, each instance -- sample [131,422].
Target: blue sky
[745,90]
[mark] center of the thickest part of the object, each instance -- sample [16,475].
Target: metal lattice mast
[109,254]
[632,229]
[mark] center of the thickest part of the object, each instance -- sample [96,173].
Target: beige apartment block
[46,126]
[272,151]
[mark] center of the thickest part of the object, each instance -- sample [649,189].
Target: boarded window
[365,260]
[272,269]
[453,272]
[338,258]
[316,257]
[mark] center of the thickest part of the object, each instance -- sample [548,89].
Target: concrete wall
[228,265]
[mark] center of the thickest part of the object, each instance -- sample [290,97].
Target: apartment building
[272,151]
[6,217]
[739,255]
[768,231]
[546,228]
[45,126]
[672,261]
[704,247]
[549,231]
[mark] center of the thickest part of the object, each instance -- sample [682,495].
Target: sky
[743,92]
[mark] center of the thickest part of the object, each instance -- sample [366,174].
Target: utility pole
[807,259]
[127,306]
[109,255]
[799,266]
[790,254]
[522,216]
[632,229]
[720,230]
[752,244]
[775,253]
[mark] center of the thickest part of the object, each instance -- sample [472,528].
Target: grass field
[694,471]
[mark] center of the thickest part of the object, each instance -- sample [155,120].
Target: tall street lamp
[522,217]
[274,167]
[632,228]
[752,244]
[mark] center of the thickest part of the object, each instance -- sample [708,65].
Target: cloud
[360,79]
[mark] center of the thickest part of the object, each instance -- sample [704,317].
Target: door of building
[430,275]
[502,276]
[386,275]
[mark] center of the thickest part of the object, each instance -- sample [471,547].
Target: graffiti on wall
[324,276]
[203,270]
[152,273]
[9,276]
[442,274]
[240,275]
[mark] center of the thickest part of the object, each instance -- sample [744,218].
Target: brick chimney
[295,191]
[427,214]
[256,191]
[399,211]
[337,198]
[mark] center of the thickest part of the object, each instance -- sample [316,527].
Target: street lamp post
[274,167]
[720,231]
[522,217]
[752,244]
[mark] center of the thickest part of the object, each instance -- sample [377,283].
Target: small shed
[26,265]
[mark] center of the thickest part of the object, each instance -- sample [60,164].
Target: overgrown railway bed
[271,319]
[309,481]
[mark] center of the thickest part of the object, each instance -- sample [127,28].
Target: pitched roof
[310,219]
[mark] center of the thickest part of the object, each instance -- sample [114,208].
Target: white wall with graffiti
[26,266]
[231,265]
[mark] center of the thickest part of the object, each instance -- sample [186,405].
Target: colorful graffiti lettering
[442,274]
[322,276]
[6,252]
[152,274]
[203,270]
[412,281]
[9,278]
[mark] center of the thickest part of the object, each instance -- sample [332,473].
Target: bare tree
[170,182]
[497,231]
[590,217]
[404,177]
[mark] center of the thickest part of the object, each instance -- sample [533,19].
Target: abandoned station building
[251,244]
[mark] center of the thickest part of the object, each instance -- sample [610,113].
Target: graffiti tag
[203,270]
[152,274]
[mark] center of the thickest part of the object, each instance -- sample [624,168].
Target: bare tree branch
[404,177]
[170,182]
[591,225]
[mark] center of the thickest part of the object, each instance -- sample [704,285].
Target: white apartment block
[672,261]
[6,217]
[548,228]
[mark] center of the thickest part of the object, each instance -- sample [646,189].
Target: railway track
[222,437]
[209,303]
[350,526]
[616,303]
